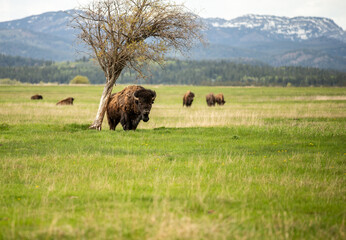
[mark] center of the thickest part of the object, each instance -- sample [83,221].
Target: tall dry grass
[231,114]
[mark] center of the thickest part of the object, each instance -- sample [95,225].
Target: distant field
[270,164]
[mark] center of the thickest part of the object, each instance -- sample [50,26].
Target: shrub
[80,80]
[8,81]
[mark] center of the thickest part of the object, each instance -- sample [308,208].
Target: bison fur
[219,98]
[210,98]
[129,107]
[188,98]
[36,97]
[66,101]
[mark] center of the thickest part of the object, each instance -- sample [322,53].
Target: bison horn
[154,95]
[135,96]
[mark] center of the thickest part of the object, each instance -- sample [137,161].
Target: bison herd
[66,101]
[210,98]
[213,99]
[133,104]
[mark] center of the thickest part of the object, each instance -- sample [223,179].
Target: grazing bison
[66,101]
[36,97]
[210,98]
[129,107]
[220,99]
[188,98]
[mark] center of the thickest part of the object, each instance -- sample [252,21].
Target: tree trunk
[107,91]
[97,124]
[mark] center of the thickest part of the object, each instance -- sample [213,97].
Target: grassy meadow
[270,164]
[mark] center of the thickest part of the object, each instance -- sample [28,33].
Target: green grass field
[270,164]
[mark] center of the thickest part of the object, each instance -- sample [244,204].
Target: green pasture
[270,164]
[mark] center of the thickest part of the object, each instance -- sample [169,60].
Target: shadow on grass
[4,127]
[75,127]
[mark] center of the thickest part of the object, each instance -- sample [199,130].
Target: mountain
[278,41]
[54,23]
[271,28]
[46,36]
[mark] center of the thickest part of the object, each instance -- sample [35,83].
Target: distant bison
[66,101]
[129,107]
[210,98]
[219,98]
[36,97]
[188,98]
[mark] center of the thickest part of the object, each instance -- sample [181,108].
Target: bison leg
[129,123]
[126,126]
[125,122]
[112,121]
[135,122]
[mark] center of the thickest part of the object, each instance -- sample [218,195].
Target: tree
[80,80]
[133,33]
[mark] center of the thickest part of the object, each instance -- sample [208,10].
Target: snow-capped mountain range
[297,28]
[306,41]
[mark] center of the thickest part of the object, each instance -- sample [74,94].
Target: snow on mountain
[297,28]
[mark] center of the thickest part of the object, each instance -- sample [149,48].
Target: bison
[219,98]
[66,101]
[188,98]
[129,107]
[36,97]
[210,98]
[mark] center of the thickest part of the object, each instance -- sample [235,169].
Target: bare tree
[133,33]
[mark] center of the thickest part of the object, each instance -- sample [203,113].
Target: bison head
[144,99]
[189,98]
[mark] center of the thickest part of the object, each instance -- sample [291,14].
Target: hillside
[278,41]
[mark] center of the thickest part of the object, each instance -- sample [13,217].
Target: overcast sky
[228,9]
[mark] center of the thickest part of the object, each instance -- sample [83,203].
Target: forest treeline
[218,73]
[15,61]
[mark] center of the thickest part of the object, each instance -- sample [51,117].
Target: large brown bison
[188,98]
[36,97]
[210,98]
[129,107]
[66,101]
[219,98]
